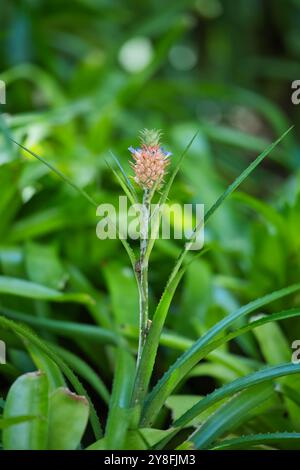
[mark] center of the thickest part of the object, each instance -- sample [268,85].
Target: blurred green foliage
[82,78]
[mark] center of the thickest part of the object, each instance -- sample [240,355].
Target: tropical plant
[38,403]
[183,349]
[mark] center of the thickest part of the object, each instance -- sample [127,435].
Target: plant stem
[143,272]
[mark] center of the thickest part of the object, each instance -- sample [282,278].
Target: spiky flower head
[150,137]
[150,160]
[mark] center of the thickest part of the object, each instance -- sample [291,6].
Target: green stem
[143,272]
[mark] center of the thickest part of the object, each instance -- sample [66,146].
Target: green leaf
[236,183]
[146,365]
[190,358]
[197,296]
[140,439]
[152,436]
[58,173]
[98,445]
[292,313]
[290,393]
[119,408]
[12,262]
[229,416]
[176,169]
[10,199]
[128,182]
[145,439]
[265,375]
[125,180]
[27,396]
[123,185]
[234,137]
[143,376]
[54,219]
[237,95]
[23,331]
[46,365]
[44,267]
[181,404]
[273,439]
[134,441]
[272,342]
[149,352]
[45,82]
[219,372]
[165,193]
[85,371]
[68,417]
[23,288]
[230,189]
[123,293]
[6,423]
[269,213]
[65,328]
[275,349]
[79,190]
[185,415]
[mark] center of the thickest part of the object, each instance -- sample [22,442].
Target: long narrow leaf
[165,193]
[23,288]
[265,375]
[158,320]
[230,189]
[190,358]
[238,181]
[65,328]
[27,396]
[23,331]
[7,422]
[58,173]
[126,179]
[119,409]
[262,376]
[145,369]
[83,370]
[80,191]
[123,184]
[230,415]
[271,439]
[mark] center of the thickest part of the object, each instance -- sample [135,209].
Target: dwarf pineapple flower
[150,160]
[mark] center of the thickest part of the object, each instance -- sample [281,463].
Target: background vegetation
[83,77]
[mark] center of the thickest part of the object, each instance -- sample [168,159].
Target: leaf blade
[27,396]
[187,360]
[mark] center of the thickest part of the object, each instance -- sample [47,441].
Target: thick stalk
[142,270]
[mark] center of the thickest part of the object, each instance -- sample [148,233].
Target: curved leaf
[27,396]
[85,371]
[46,365]
[79,190]
[5,423]
[190,358]
[270,439]
[265,375]
[23,331]
[119,408]
[68,416]
[230,415]
[158,320]
[65,328]
[23,288]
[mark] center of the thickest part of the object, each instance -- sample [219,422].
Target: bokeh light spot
[136,54]
[182,57]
